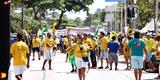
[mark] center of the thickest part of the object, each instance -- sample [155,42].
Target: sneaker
[75,70]
[158,77]
[93,67]
[39,58]
[110,69]
[72,70]
[100,67]
[116,69]
[106,67]
[127,69]
[43,68]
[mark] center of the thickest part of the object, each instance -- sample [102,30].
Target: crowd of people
[84,51]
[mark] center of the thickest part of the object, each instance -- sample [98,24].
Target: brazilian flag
[96,32]
[45,28]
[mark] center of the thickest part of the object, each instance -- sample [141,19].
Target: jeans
[93,58]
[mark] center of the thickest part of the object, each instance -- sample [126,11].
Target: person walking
[20,53]
[138,47]
[113,47]
[48,45]
[36,47]
[81,56]
[93,52]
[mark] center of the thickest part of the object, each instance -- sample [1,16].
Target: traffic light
[131,12]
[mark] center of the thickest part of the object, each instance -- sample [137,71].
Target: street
[61,71]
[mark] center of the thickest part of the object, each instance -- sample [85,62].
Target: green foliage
[145,12]
[95,19]
[78,22]
[29,23]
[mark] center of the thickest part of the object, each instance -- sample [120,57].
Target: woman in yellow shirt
[80,51]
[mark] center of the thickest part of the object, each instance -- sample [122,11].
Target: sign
[115,0]
[62,32]
[109,17]
[75,31]
[111,8]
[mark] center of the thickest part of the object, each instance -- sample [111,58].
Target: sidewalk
[61,71]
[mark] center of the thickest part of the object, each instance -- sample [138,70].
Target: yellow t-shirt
[94,44]
[66,42]
[103,43]
[125,44]
[88,41]
[36,43]
[157,53]
[149,44]
[19,50]
[77,52]
[48,43]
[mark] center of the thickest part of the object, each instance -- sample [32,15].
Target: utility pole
[121,16]
[22,13]
[125,14]
[5,41]
[156,18]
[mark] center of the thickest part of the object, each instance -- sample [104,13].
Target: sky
[97,4]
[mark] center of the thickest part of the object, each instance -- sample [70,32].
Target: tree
[70,5]
[78,22]
[89,20]
[95,19]
[146,12]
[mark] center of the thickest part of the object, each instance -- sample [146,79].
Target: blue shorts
[137,62]
[103,54]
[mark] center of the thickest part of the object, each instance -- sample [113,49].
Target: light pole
[22,13]
[156,18]
[121,17]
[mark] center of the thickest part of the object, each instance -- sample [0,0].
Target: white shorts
[19,69]
[80,63]
[48,55]
[137,62]
[103,54]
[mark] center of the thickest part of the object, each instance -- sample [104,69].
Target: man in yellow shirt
[88,41]
[103,52]
[20,52]
[48,45]
[125,46]
[93,52]
[149,46]
[36,47]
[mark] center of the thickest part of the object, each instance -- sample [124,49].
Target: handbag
[85,59]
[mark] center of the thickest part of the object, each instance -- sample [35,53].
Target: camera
[81,48]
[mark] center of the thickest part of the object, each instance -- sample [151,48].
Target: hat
[80,36]
[148,34]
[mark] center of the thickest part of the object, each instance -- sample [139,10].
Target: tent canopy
[149,27]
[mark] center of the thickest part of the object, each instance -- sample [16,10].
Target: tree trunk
[60,20]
